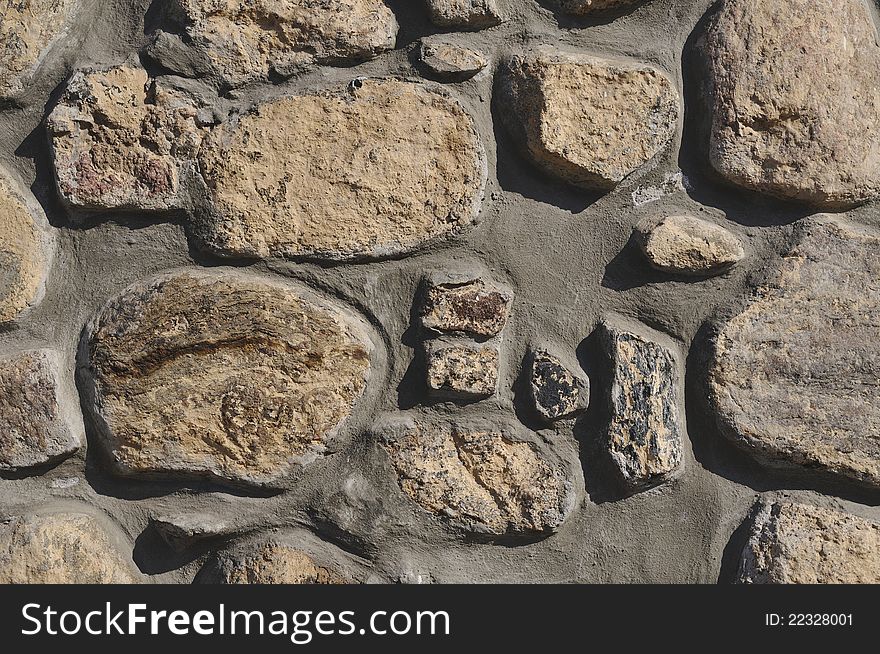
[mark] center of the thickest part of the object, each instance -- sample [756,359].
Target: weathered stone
[645,431]
[586,120]
[61,548]
[794,375]
[465,14]
[269,563]
[121,141]
[24,253]
[689,246]
[556,392]
[795,87]
[464,304]
[28,28]
[247,41]
[587,7]
[374,170]
[220,375]
[802,544]
[462,369]
[182,530]
[448,60]
[479,477]
[35,427]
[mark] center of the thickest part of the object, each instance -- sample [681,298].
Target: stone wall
[439,291]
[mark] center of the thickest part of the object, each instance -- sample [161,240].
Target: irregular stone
[793,376]
[448,60]
[181,530]
[465,14]
[479,477]
[35,427]
[556,392]
[801,544]
[464,305]
[330,175]
[121,141]
[28,29]
[220,375]
[247,41]
[587,7]
[689,246]
[24,253]
[462,370]
[587,120]
[269,563]
[61,548]
[645,432]
[794,87]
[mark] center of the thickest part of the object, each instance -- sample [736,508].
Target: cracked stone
[465,14]
[448,60]
[269,563]
[556,392]
[689,246]
[464,305]
[462,370]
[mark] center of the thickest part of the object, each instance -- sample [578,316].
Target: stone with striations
[220,375]
[329,175]
[803,544]
[36,428]
[689,246]
[462,370]
[645,431]
[451,61]
[587,120]
[556,392]
[465,14]
[795,87]
[269,563]
[464,305]
[794,373]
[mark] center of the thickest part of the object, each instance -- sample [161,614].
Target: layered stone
[685,245]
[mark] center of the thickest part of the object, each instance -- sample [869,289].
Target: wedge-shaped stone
[556,391]
[269,563]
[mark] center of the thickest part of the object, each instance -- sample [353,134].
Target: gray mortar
[569,258]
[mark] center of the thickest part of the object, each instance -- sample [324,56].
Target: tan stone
[587,7]
[689,246]
[466,14]
[462,369]
[465,305]
[35,426]
[794,373]
[587,120]
[451,61]
[247,40]
[270,563]
[61,548]
[478,477]
[24,253]
[120,141]
[370,171]
[221,375]
[795,99]
[802,544]
[28,29]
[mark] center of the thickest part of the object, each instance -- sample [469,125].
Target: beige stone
[247,40]
[587,7]
[61,548]
[28,29]
[793,375]
[462,369]
[25,248]
[466,305]
[689,246]
[465,14]
[587,120]
[120,141]
[370,171]
[802,544]
[270,563]
[795,99]
[223,375]
[480,478]
[451,61]
[36,427]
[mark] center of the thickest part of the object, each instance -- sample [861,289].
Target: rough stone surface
[246,40]
[556,392]
[645,432]
[220,375]
[587,7]
[450,61]
[465,305]
[794,375]
[61,548]
[587,120]
[269,563]
[801,544]
[462,369]
[182,530]
[689,246]
[329,175]
[465,14]
[28,28]
[480,479]
[121,141]
[795,87]
[24,253]
[34,425]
